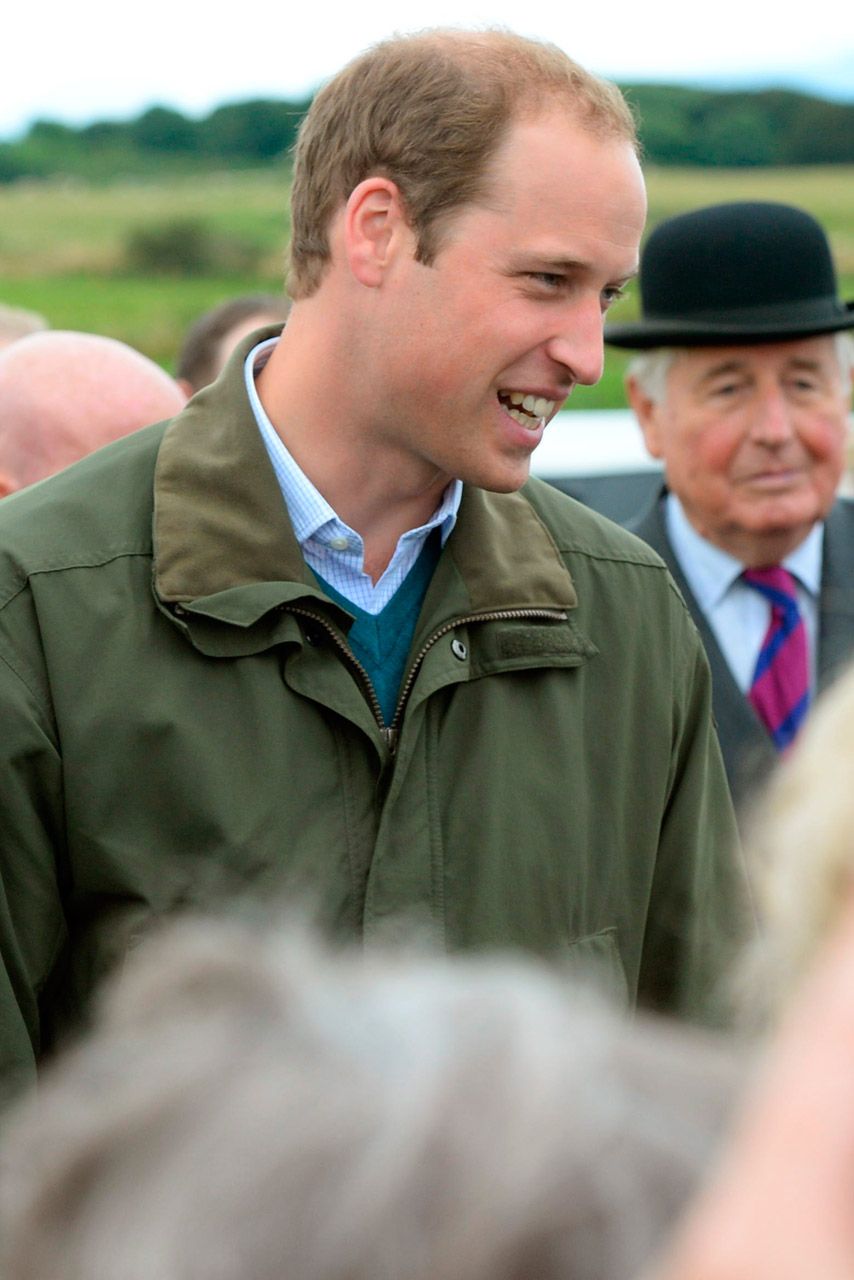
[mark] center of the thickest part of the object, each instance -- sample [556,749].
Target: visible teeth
[524,419]
[529,410]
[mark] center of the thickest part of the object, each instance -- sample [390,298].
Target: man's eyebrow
[733,365]
[543,262]
[809,363]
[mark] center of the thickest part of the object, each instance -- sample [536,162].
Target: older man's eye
[725,390]
[804,384]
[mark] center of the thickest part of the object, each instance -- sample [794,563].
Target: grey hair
[252,1107]
[651,368]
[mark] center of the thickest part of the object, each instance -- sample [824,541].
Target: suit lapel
[836,603]
[746,747]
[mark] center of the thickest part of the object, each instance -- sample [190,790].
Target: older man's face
[753,440]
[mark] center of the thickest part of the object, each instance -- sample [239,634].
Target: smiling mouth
[529,411]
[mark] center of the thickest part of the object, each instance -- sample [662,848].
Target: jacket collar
[224,547]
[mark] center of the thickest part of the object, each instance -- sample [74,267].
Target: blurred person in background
[744,391]
[251,1107]
[213,337]
[16,323]
[65,394]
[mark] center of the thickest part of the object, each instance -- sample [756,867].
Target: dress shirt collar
[313,519]
[711,572]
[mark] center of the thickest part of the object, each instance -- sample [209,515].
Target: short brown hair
[428,111]
[198,359]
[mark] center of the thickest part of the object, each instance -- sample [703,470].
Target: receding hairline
[570,83]
[377,117]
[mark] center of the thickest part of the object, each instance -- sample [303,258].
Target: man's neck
[753,550]
[332,439]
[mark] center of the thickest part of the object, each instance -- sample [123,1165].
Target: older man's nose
[773,422]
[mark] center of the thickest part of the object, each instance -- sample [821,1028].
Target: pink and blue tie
[780,691]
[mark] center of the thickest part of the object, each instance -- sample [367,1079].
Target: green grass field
[64,246]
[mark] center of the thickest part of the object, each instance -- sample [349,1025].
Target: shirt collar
[311,515]
[711,572]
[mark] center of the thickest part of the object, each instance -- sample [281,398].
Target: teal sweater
[381,641]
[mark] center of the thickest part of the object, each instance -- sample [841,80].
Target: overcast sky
[93,60]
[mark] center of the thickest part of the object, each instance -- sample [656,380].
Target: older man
[310,635]
[744,392]
[64,394]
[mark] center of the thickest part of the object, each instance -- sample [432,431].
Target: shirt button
[339,543]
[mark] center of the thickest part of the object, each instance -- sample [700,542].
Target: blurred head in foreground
[64,394]
[250,1108]
[779,1205]
[802,842]
[213,337]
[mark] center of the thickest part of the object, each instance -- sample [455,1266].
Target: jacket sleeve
[701,913]
[32,926]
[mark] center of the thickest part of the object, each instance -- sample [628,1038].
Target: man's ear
[647,411]
[374,225]
[7,484]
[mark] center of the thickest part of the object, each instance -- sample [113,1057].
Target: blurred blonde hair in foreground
[779,1205]
[801,840]
[253,1107]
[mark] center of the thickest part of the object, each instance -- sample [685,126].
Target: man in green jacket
[319,637]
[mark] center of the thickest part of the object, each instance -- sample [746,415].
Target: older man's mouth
[782,479]
[526,409]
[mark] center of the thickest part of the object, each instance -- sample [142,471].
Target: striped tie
[780,689]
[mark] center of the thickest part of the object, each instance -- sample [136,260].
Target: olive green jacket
[181,721]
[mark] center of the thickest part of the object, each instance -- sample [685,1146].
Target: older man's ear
[646,411]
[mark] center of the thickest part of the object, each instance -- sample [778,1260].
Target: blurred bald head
[63,395]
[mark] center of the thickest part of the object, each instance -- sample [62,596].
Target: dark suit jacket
[748,753]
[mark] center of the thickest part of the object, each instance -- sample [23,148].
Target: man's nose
[772,423]
[577,342]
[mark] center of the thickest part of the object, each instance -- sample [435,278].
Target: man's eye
[725,388]
[614,293]
[549,279]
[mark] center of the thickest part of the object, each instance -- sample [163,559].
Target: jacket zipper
[391,732]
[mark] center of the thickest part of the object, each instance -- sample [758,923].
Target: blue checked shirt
[330,547]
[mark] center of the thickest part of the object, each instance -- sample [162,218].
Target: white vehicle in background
[599,457]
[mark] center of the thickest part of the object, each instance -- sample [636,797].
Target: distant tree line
[679,126]
[160,141]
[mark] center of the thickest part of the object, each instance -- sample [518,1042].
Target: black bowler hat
[751,271]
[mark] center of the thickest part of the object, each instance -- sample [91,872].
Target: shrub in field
[188,247]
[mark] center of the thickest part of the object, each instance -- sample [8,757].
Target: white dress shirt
[737,614]
[330,547]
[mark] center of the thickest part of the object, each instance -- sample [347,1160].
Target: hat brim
[644,334]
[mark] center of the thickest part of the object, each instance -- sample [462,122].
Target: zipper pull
[389,736]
